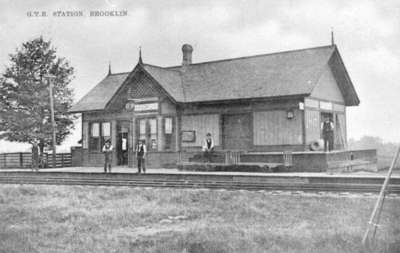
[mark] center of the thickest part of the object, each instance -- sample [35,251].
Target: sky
[366,32]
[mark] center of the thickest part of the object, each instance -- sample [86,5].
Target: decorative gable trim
[132,77]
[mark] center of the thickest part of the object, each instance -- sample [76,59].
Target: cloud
[366,31]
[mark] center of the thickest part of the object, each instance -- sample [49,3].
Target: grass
[111,219]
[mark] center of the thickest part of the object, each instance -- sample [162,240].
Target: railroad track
[229,182]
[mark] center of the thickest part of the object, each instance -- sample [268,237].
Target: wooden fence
[20,160]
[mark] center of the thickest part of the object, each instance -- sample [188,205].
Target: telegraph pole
[50,79]
[376,213]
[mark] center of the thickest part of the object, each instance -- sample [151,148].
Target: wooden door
[236,131]
[122,142]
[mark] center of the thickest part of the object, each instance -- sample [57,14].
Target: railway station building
[257,104]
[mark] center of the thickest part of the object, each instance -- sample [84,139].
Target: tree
[24,95]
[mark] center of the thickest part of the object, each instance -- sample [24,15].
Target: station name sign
[143,105]
[146,107]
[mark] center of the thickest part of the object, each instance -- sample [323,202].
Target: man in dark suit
[108,154]
[208,147]
[141,151]
[327,134]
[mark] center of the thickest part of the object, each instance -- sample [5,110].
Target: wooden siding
[85,134]
[327,88]
[340,130]
[311,103]
[114,133]
[167,107]
[313,125]
[274,128]
[202,124]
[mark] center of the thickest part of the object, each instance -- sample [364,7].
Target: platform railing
[232,157]
[19,160]
[287,158]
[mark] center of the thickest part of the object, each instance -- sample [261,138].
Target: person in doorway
[141,151]
[108,154]
[208,147]
[327,134]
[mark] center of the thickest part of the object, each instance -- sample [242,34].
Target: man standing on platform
[108,154]
[208,147]
[327,134]
[141,156]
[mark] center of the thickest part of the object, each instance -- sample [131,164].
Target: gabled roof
[98,97]
[270,75]
[170,80]
[290,73]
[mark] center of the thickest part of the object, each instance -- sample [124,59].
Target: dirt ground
[122,219]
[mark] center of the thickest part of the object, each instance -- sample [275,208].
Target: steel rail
[328,185]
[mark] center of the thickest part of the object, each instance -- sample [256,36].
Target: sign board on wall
[146,107]
[189,136]
[340,108]
[311,103]
[325,105]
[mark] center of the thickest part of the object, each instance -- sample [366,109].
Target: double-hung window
[168,130]
[100,132]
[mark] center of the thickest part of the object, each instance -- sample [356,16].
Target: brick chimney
[187,54]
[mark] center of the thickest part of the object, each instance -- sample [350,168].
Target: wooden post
[178,139]
[21,160]
[47,161]
[114,136]
[53,123]
[160,133]
[132,142]
[375,216]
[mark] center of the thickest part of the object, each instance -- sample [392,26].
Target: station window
[100,132]
[168,125]
[142,129]
[94,141]
[105,132]
[168,130]
[148,132]
[153,133]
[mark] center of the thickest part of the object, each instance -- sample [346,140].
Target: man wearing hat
[141,151]
[208,147]
[327,127]
[108,154]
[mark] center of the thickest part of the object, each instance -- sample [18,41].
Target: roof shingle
[271,75]
[98,97]
[261,76]
[170,80]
